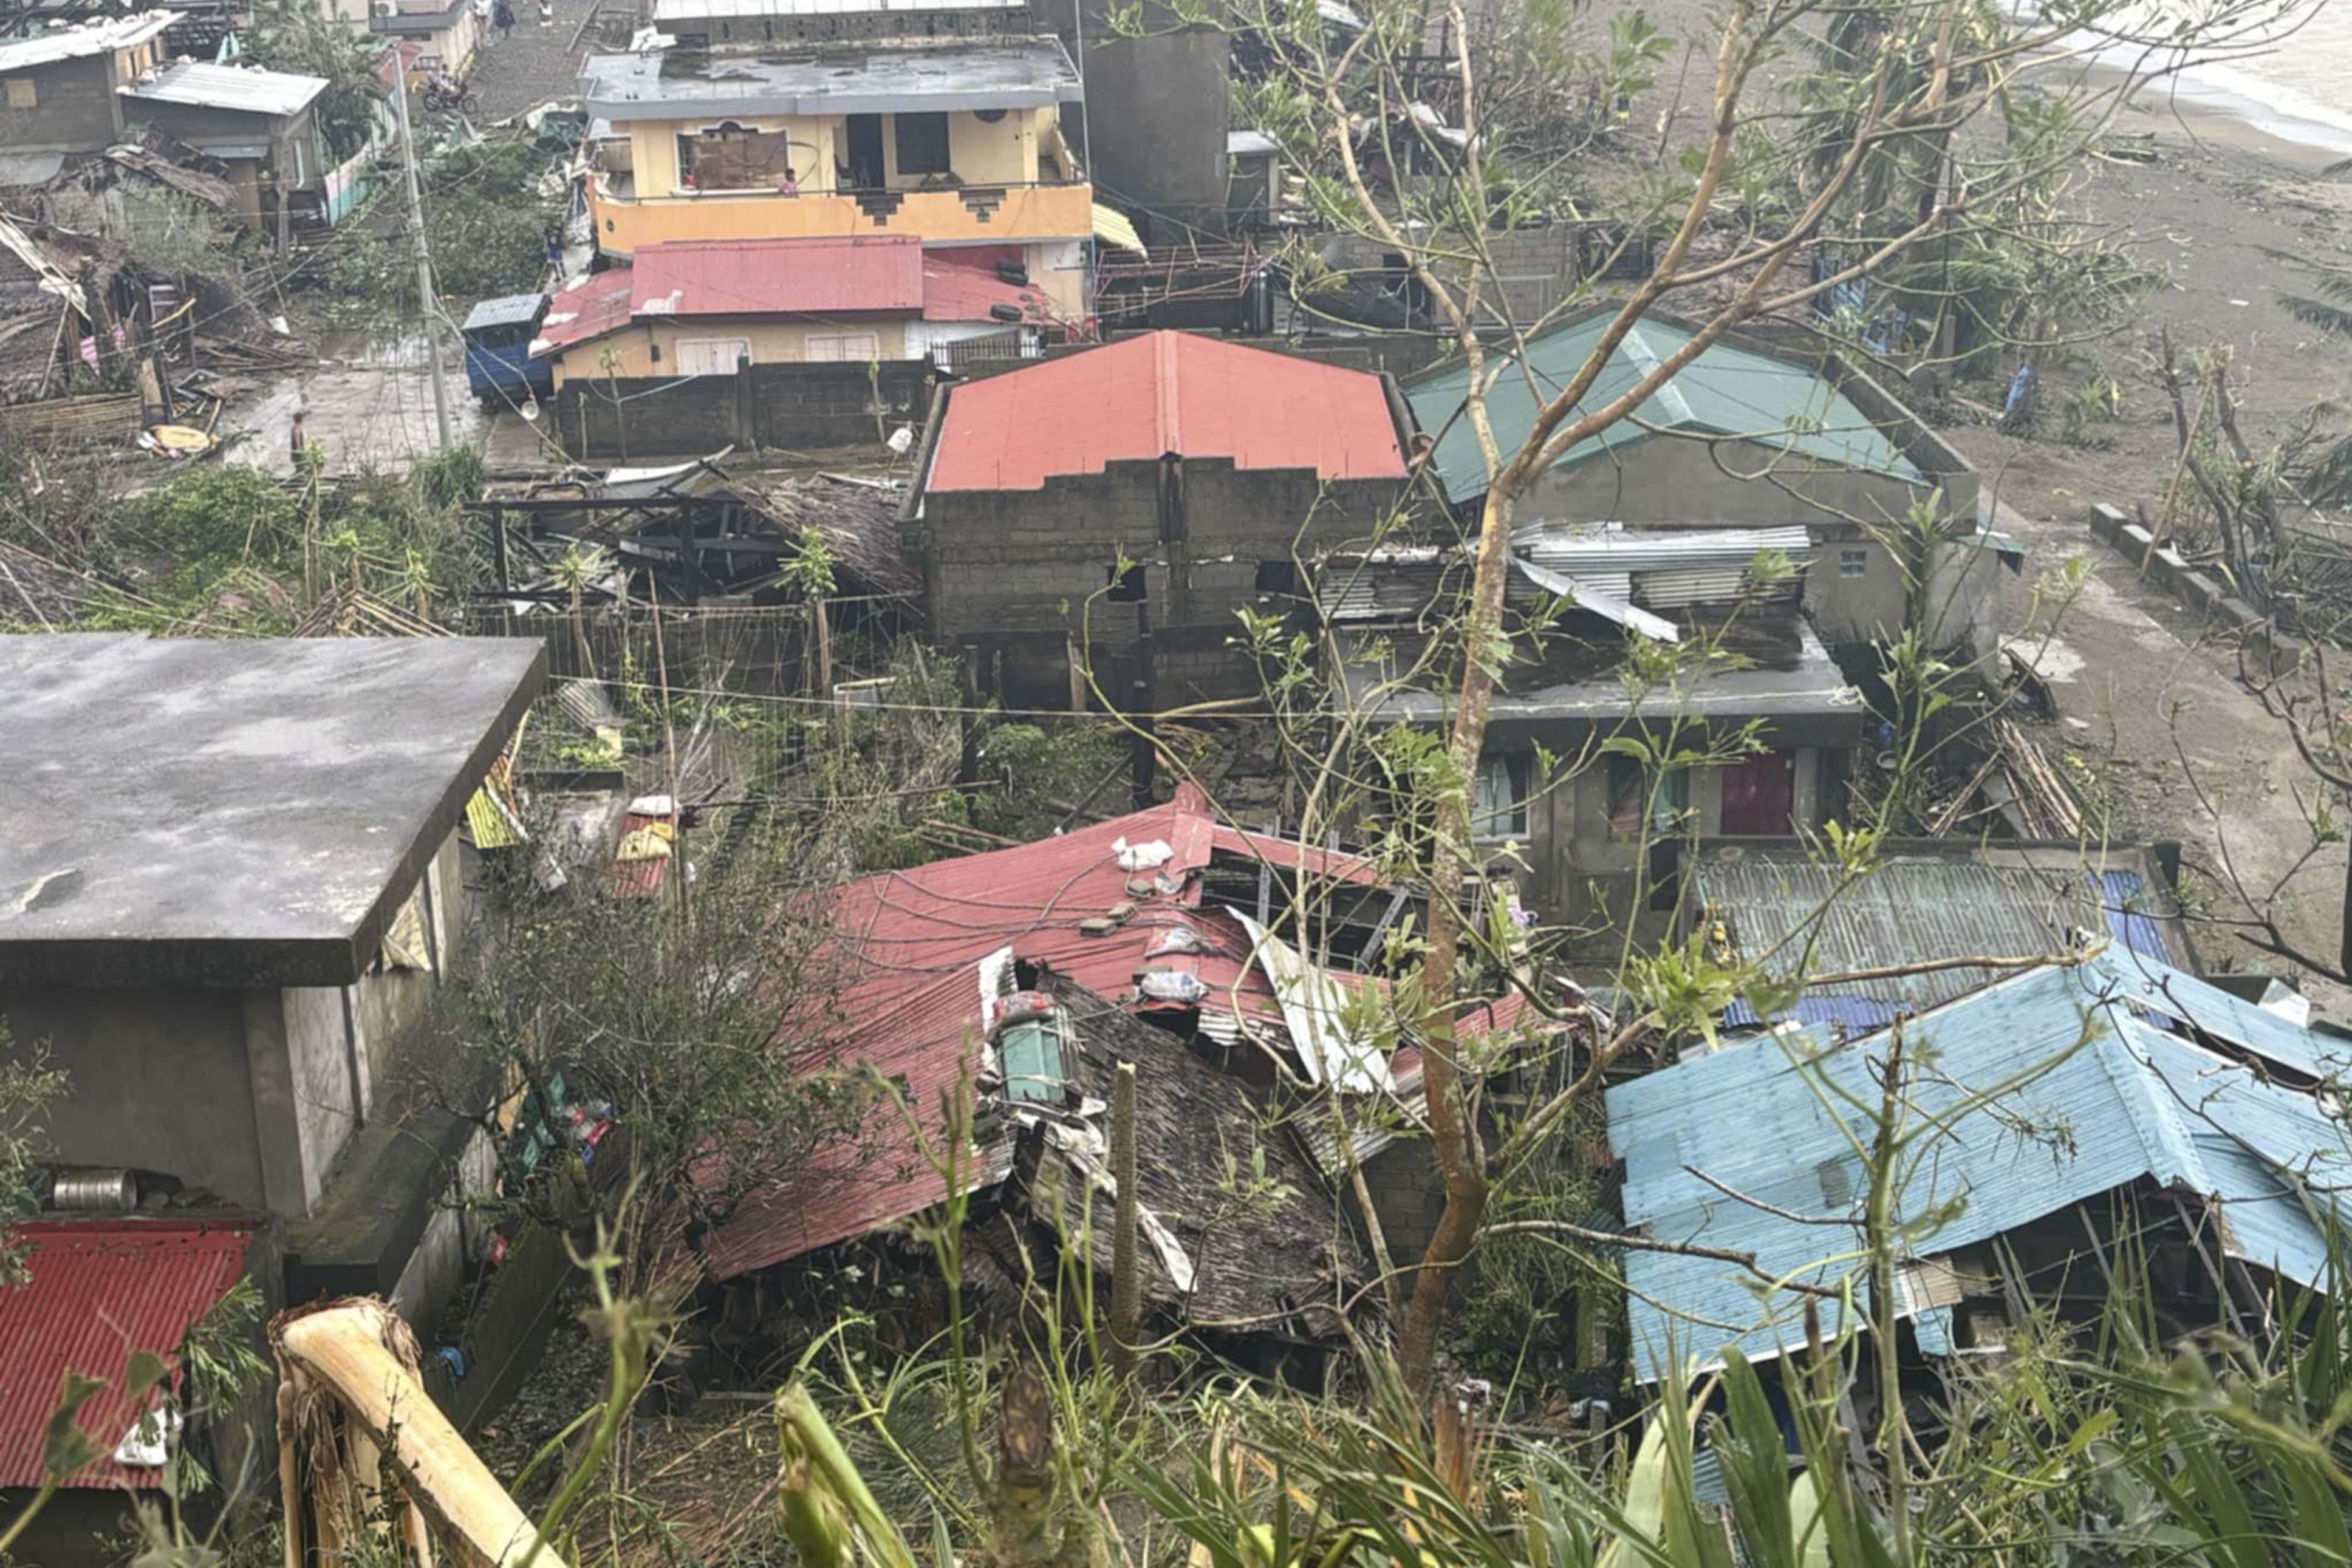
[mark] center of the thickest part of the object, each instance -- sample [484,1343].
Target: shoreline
[2203,113]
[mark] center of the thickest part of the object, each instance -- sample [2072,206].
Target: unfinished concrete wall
[251,1094]
[72,108]
[1577,871]
[155,1080]
[1669,479]
[797,407]
[452,1243]
[1021,572]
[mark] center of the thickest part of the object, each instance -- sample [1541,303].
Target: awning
[2011,553]
[1112,227]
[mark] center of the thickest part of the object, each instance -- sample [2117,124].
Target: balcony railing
[1009,213]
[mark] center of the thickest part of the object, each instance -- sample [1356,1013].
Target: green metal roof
[1726,391]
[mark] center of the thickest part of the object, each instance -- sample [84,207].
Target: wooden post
[1126,1283]
[967,677]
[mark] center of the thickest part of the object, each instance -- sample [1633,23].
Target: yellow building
[955,143]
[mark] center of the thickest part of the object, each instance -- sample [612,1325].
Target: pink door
[1759,793]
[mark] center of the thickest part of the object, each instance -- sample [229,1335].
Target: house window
[853,348]
[922,142]
[1127,587]
[1852,561]
[1277,579]
[1631,798]
[1498,797]
[1031,1054]
[21,94]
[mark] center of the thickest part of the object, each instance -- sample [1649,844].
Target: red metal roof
[102,1289]
[591,308]
[957,287]
[912,940]
[779,276]
[1144,397]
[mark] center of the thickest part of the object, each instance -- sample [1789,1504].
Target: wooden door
[1759,794]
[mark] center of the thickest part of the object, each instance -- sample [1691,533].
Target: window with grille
[922,142]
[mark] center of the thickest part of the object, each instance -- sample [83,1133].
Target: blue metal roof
[2107,1097]
[1728,391]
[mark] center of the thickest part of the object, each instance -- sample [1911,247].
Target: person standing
[546,13]
[482,20]
[502,13]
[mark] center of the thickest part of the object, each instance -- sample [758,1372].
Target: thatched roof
[858,519]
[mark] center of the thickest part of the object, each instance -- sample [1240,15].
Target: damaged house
[2139,1107]
[1022,977]
[1122,503]
[232,897]
[1754,659]
[1749,434]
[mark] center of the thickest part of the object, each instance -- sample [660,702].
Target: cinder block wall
[1017,573]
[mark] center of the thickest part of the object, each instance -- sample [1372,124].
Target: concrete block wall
[790,406]
[1025,570]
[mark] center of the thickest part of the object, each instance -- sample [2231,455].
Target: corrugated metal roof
[243,89]
[1145,397]
[587,309]
[1783,909]
[1729,390]
[908,941]
[509,311]
[2131,1101]
[960,289]
[1655,569]
[780,277]
[102,1289]
[91,38]
[1115,228]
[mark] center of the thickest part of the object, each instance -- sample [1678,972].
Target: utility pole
[427,300]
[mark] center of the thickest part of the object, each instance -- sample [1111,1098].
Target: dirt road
[2176,748]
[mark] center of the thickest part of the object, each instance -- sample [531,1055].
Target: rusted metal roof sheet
[1914,907]
[100,1289]
[910,942]
[1160,393]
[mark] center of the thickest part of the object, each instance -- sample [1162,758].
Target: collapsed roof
[2132,1071]
[1120,925]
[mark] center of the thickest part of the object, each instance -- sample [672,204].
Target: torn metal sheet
[1313,1009]
[1657,628]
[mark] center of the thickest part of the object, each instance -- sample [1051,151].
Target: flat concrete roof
[871,80]
[184,812]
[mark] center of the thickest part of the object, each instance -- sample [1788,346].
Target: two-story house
[958,143]
[1123,503]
